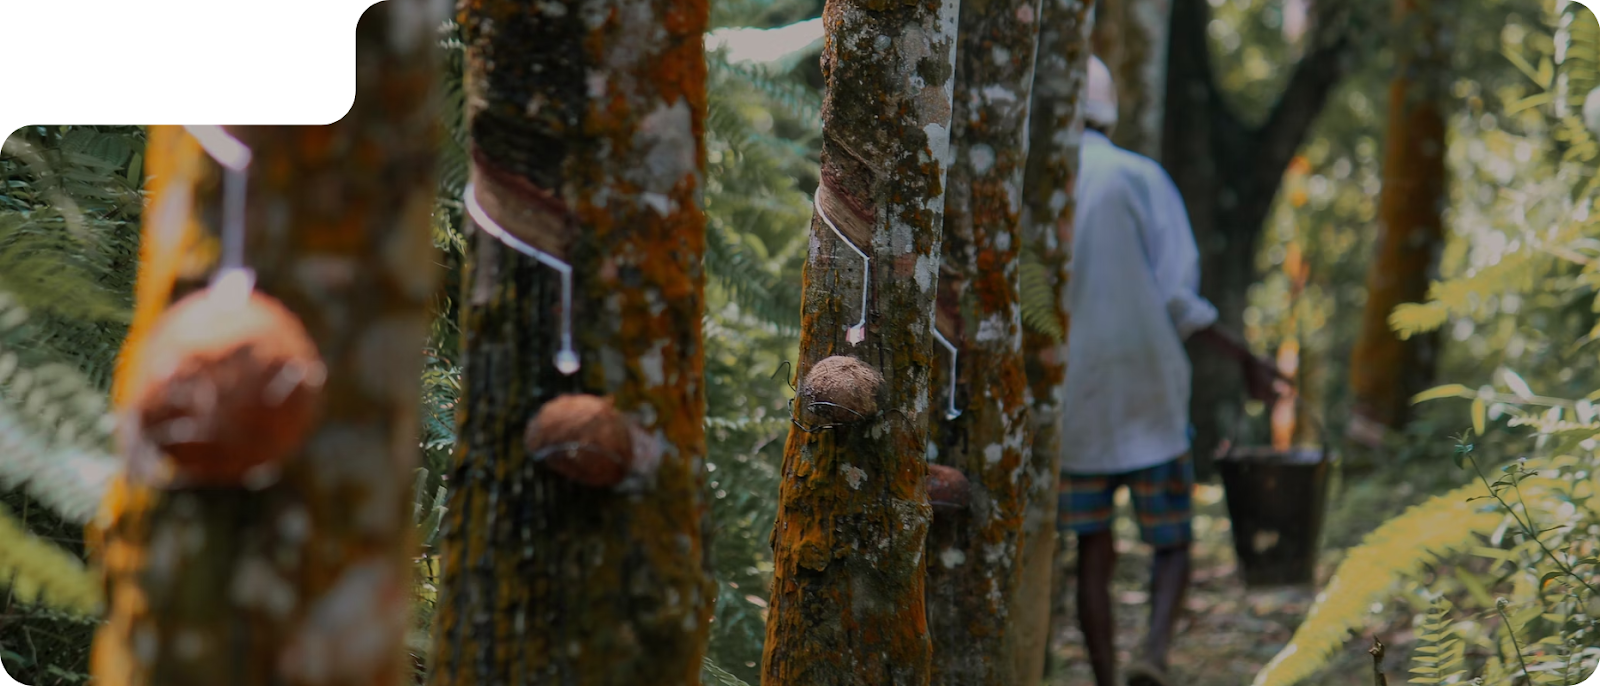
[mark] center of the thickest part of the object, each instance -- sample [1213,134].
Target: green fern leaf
[1401,546]
[42,573]
[712,674]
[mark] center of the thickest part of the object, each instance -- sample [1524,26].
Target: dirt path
[1228,634]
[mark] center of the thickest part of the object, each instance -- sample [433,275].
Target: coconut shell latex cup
[226,392]
[948,490]
[586,439]
[841,390]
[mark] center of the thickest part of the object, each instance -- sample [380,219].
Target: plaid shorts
[1161,501]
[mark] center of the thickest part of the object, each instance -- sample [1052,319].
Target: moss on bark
[307,580]
[1048,204]
[973,567]
[586,120]
[848,590]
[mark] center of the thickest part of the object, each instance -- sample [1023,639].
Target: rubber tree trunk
[848,598]
[973,569]
[1130,36]
[574,550]
[1048,203]
[1229,173]
[307,580]
[1384,370]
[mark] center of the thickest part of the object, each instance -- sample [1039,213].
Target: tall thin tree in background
[1048,203]
[574,551]
[1229,170]
[973,547]
[847,602]
[1386,371]
[230,580]
[1131,37]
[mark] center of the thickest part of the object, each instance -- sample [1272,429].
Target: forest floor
[1228,632]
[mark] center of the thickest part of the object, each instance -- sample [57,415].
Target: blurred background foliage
[1517,307]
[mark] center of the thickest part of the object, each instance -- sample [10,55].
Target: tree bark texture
[848,598]
[586,121]
[1384,370]
[1048,205]
[1229,173]
[307,580]
[973,568]
[1130,36]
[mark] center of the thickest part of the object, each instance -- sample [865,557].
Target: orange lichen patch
[188,566]
[175,165]
[637,294]
[848,602]
[972,584]
[1047,232]
[582,437]
[229,386]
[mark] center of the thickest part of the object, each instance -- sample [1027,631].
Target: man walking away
[1134,299]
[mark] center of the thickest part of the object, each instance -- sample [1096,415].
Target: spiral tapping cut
[566,360]
[857,333]
[951,412]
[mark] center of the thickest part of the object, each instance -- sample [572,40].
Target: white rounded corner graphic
[192,61]
[5,677]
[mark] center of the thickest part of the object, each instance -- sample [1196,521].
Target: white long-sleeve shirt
[1134,297]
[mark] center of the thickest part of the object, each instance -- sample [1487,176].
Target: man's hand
[1261,375]
[1262,379]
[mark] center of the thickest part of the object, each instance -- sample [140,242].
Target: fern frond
[1038,299]
[1438,655]
[1516,272]
[70,481]
[1401,546]
[712,674]
[756,289]
[42,573]
[799,100]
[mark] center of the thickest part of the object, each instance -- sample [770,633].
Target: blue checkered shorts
[1162,504]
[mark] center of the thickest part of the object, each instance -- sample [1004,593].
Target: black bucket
[1276,501]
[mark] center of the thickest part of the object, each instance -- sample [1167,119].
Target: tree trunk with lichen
[1048,203]
[1386,371]
[306,580]
[848,599]
[1229,172]
[574,550]
[1130,36]
[973,547]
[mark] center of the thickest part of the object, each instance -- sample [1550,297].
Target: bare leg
[1097,556]
[1169,581]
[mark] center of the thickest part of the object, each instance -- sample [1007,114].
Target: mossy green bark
[307,581]
[1048,204]
[973,552]
[586,121]
[1130,36]
[847,602]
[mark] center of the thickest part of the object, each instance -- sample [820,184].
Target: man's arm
[1261,376]
[1178,273]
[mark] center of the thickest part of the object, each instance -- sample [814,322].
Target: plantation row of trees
[608,480]
[248,547]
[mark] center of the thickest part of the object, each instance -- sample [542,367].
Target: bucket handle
[1316,421]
